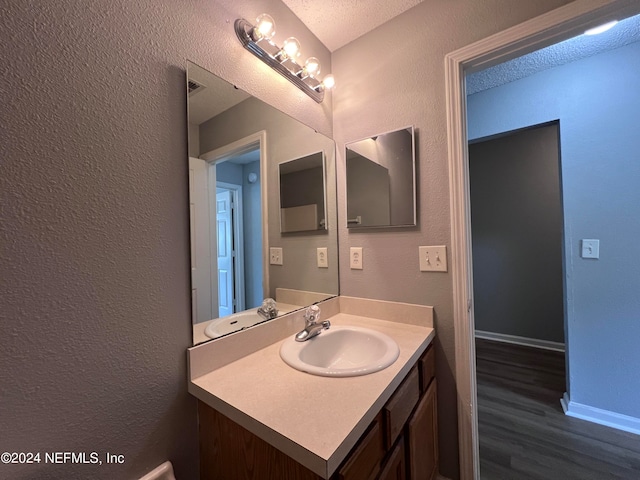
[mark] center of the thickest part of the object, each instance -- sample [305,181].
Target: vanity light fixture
[257,39]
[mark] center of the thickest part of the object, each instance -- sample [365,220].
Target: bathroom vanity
[259,418]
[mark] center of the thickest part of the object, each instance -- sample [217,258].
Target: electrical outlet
[275,256]
[355,258]
[433,259]
[323,261]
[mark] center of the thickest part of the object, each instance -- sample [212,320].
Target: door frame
[550,28]
[238,234]
[243,145]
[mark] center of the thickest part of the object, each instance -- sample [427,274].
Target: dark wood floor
[524,433]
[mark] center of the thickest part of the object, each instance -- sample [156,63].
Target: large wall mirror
[237,144]
[381,180]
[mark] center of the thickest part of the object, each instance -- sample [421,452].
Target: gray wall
[516,222]
[387,79]
[94,237]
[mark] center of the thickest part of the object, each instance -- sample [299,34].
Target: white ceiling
[338,22]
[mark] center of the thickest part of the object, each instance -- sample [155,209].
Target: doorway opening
[558,25]
[236,224]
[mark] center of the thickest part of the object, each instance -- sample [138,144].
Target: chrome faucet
[312,327]
[268,309]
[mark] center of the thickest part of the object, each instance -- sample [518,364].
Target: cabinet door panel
[364,461]
[396,466]
[423,437]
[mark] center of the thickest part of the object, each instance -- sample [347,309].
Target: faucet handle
[268,304]
[312,314]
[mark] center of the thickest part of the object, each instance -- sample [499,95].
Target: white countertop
[315,420]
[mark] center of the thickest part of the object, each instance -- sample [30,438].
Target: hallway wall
[597,100]
[516,232]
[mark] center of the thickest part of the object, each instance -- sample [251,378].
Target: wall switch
[275,256]
[355,258]
[433,259]
[323,261]
[590,248]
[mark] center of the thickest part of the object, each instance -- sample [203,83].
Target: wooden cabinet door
[364,462]
[396,466]
[422,440]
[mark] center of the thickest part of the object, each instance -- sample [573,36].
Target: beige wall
[390,78]
[94,237]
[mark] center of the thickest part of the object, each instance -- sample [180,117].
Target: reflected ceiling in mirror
[236,144]
[381,185]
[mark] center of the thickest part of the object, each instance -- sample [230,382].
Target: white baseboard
[600,416]
[527,342]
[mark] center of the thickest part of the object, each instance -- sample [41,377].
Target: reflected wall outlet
[590,248]
[275,255]
[323,261]
[433,259]
[355,258]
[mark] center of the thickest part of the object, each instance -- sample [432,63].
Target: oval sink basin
[341,351]
[233,323]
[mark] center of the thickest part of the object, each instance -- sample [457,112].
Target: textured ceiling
[338,22]
[625,32]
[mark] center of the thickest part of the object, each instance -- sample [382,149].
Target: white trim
[557,25]
[600,416]
[526,341]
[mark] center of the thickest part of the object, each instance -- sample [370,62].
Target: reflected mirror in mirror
[381,186]
[302,192]
[236,143]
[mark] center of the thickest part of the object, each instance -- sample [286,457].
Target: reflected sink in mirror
[233,323]
[219,327]
[341,351]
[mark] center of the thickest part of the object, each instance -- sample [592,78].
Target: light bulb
[311,67]
[601,28]
[329,82]
[291,48]
[265,27]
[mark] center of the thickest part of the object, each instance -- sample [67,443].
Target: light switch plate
[275,256]
[323,261]
[355,258]
[433,259]
[590,248]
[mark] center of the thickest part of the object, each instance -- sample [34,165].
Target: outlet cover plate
[433,259]
[275,256]
[590,248]
[355,258]
[323,261]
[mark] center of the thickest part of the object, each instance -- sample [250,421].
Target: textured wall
[597,101]
[94,250]
[388,79]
